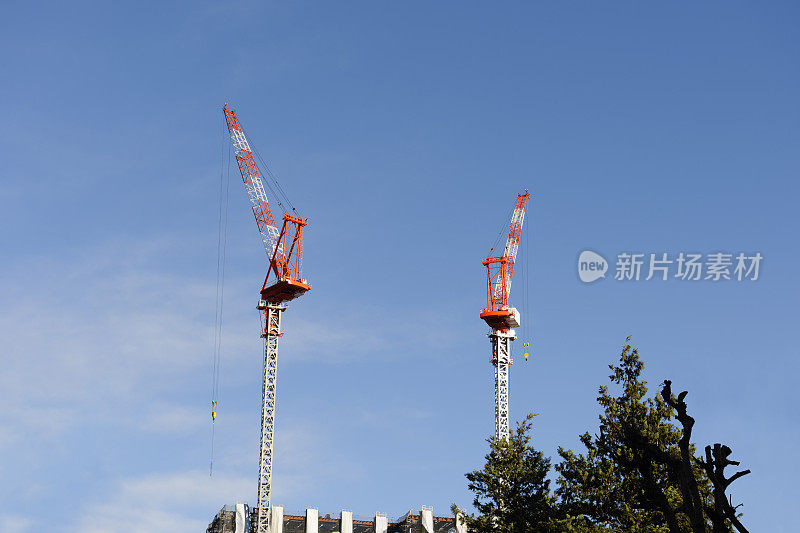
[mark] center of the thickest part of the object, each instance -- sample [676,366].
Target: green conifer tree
[512,492]
[626,479]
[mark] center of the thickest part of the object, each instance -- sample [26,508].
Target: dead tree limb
[715,462]
[690,491]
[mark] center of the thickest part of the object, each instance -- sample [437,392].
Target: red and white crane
[500,316]
[283,282]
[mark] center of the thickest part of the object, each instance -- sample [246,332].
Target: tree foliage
[617,482]
[639,473]
[512,492]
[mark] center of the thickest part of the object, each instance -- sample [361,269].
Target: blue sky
[403,131]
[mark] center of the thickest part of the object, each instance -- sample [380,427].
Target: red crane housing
[499,271]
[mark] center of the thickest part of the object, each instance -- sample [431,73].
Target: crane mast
[501,317]
[282,283]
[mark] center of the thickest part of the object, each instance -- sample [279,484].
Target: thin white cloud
[110,341]
[114,331]
[11,523]
[187,500]
[162,502]
[355,333]
[165,417]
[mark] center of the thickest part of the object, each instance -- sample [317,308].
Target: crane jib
[512,244]
[283,246]
[251,177]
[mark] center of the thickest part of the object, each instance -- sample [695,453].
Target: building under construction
[241,519]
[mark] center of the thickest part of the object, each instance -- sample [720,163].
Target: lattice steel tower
[285,252]
[502,318]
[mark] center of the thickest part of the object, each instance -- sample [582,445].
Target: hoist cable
[222,274]
[278,191]
[272,183]
[526,285]
[274,178]
[503,230]
[222,248]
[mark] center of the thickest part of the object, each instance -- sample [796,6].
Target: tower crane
[283,282]
[500,316]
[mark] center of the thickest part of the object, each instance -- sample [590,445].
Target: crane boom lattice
[273,331]
[253,183]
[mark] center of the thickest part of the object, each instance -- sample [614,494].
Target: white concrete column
[461,527]
[276,520]
[312,521]
[381,523]
[346,522]
[426,519]
[240,519]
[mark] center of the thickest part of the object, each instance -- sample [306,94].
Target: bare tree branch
[688,483]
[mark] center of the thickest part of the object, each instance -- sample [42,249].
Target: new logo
[591,266]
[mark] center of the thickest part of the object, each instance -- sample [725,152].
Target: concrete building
[238,519]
